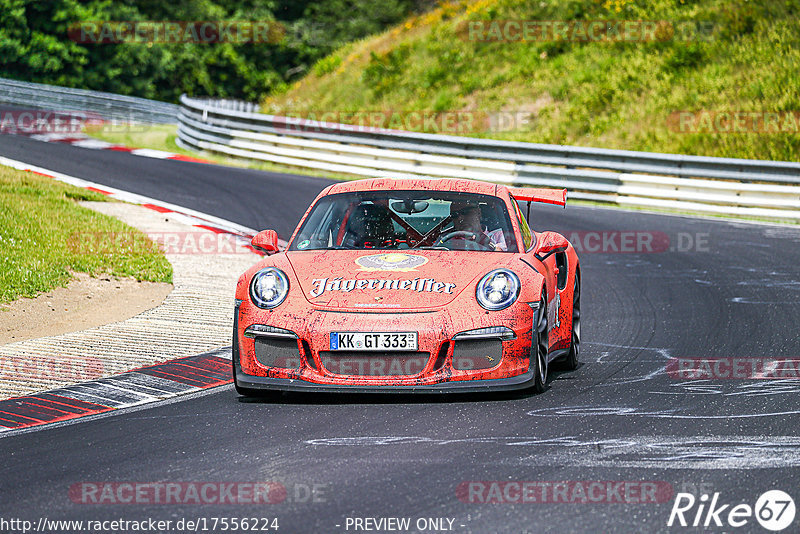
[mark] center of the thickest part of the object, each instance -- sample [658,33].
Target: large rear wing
[547,196]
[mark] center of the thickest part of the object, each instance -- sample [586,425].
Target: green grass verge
[155,136]
[41,223]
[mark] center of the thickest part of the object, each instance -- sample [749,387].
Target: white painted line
[123,383]
[92,143]
[151,153]
[50,137]
[82,140]
[160,386]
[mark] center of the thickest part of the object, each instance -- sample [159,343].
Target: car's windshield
[407,220]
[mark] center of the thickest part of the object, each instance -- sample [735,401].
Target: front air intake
[278,352]
[368,363]
[475,354]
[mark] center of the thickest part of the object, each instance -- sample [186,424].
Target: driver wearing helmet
[468,232]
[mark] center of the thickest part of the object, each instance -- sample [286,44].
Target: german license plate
[373,341]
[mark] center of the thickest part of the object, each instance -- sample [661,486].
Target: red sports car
[409,285]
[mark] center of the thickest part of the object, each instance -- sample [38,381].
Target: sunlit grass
[612,95]
[40,221]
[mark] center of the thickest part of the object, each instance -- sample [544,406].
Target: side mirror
[266,240]
[549,243]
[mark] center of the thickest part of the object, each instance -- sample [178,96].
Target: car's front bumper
[523,381]
[503,366]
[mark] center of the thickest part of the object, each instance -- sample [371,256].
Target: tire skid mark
[640,451]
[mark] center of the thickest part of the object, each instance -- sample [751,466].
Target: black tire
[540,346]
[570,362]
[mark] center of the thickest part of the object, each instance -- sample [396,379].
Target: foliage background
[34,44]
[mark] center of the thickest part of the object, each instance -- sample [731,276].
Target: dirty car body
[382,288]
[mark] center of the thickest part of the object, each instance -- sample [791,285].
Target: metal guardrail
[229,104]
[704,184]
[107,105]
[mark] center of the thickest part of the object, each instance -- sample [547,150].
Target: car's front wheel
[540,346]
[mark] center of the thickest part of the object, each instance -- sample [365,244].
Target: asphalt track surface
[619,417]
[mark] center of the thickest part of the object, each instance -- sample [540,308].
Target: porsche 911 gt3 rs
[409,285]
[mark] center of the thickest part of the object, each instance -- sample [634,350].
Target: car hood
[359,279]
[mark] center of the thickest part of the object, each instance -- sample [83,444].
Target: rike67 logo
[774,510]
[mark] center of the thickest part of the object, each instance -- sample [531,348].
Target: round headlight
[269,287]
[498,290]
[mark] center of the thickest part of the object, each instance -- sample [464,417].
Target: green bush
[35,45]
